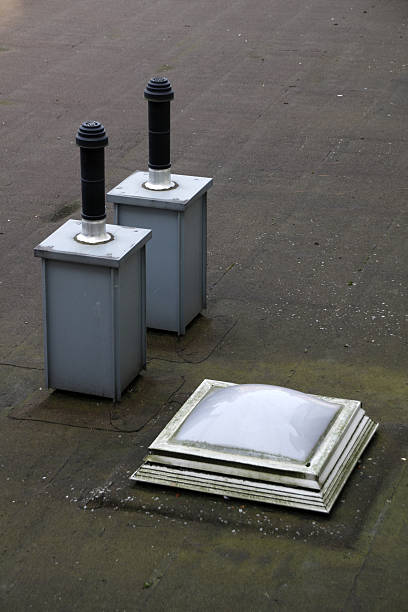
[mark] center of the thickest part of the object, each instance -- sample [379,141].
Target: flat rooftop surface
[298,111]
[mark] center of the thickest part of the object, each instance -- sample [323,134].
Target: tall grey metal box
[94,309]
[176,260]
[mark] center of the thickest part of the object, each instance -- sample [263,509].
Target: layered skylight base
[260,442]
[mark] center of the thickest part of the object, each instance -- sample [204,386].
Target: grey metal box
[176,260]
[94,309]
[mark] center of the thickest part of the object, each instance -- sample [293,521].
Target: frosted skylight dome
[262,443]
[261,419]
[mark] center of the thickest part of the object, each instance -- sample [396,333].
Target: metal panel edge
[45,319]
[204,247]
[115,297]
[180,246]
[143,305]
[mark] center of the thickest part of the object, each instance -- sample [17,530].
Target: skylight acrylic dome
[260,443]
[261,419]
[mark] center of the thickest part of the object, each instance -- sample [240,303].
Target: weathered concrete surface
[298,111]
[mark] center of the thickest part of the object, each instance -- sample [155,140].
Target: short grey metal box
[176,262]
[94,309]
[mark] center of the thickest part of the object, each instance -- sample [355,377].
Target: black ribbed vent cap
[159,89]
[91,135]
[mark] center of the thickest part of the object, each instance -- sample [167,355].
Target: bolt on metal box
[94,309]
[176,259]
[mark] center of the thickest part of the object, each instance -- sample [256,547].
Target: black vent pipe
[159,93]
[92,140]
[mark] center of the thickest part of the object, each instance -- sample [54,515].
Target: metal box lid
[62,245]
[131,191]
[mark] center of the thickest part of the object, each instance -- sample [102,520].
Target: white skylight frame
[314,484]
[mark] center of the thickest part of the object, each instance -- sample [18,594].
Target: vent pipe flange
[92,140]
[159,93]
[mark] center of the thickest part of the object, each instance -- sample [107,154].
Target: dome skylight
[260,419]
[260,442]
